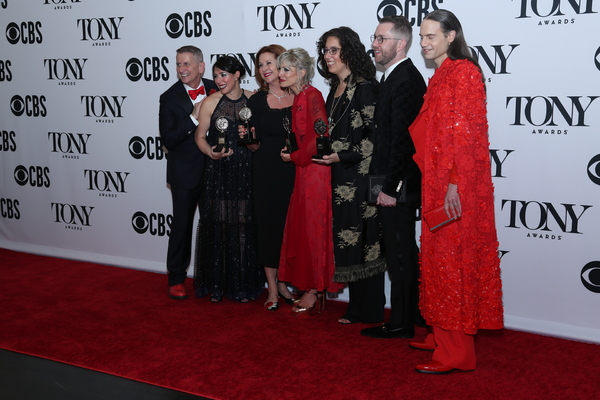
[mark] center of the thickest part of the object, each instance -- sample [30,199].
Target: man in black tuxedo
[398,104]
[178,118]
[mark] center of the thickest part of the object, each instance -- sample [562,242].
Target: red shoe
[177,292]
[437,368]
[421,346]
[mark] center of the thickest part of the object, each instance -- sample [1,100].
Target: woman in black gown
[350,108]
[225,247]
[273,179]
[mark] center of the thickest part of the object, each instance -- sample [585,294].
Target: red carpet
[122,322]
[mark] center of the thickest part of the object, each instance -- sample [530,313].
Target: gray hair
[196,52]
[300,59]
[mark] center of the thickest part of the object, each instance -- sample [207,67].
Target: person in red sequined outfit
[461,290]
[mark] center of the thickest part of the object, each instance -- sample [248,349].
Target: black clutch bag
[375,186]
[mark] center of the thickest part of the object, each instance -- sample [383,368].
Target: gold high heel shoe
[316,308]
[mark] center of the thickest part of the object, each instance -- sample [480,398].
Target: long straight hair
[458,49]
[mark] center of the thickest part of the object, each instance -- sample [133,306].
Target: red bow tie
[194,93]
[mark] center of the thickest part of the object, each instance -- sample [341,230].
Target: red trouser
[453,348]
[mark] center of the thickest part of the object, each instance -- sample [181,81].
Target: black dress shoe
[387,331]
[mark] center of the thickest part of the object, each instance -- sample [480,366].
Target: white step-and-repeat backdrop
[83,174]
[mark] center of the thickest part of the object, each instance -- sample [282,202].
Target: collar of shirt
[391,68]
[200,96]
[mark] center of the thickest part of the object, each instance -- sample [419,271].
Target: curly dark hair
[230,64]
[352,53]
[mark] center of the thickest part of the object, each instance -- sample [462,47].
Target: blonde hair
[299,59]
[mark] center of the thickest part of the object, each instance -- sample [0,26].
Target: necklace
[334,104]
[279,97]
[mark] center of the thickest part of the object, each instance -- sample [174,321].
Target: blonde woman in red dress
[307,251]
[461,290]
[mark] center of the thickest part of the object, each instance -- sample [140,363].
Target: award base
[220,147]
[323,147]
[246,142]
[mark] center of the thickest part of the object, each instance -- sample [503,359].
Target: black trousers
[402,257]
[366,299]
[179,250]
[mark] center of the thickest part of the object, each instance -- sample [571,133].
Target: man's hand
[196,110]
[385,201]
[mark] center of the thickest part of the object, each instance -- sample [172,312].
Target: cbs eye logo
[389,8]
[150,148]
[154,224]
[148,68]
[593,169]
[192,24]
[590,276]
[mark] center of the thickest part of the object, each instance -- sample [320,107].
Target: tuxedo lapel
[183,99]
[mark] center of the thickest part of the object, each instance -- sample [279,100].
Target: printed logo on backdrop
[593,169]
[4,3]
[74,217]
[247,60]
[34,176]
[286,20]
[498,157]
[9,209]
[66,71]
[590,276]
[151,69]
[69,145]
[30,106]
[414,11]
[27,32]
[7,141]
[597,59]
[153,223]
[494,58]
[104,108]
[150,148]
[551,115]
[62,4]
[544,220]
[100,31]
[5,72]
[555,12]
[106,183]
[191,25]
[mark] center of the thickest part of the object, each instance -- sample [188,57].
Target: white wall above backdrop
[83,174]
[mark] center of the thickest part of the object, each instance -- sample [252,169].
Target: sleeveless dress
[225,262]
[273,179]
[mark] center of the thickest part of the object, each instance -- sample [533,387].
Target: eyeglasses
[333,50]
[380,38]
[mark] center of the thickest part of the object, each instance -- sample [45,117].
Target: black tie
[382,79]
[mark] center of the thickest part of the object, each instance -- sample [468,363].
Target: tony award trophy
[290,138]
[245,115]
[222,124]
[323,144]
